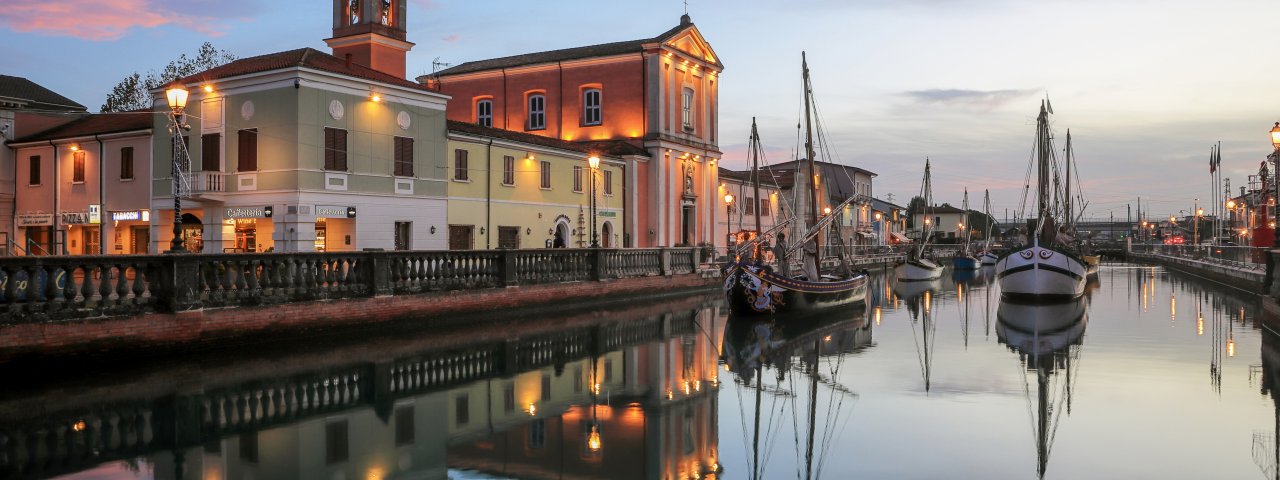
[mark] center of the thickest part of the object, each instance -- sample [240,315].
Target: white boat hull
[918,270]
[1039,273]
[988,258]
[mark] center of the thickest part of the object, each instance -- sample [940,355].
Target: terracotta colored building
[657,93]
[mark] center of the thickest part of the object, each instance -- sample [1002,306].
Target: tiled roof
[36,96]
[769,177]
[302,57]
[602,50]
[944,209]
[97,124]
[607,147]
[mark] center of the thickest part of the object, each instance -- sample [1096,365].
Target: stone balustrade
[50,288]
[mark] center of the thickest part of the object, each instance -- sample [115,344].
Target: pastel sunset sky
[1145,86]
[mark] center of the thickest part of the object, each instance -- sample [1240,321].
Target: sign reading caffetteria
[34,219]
[334,211]
[248,212]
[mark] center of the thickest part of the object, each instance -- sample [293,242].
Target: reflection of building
[658,94]
[303,151]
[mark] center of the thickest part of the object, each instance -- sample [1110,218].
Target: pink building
[83,187]
[657,93]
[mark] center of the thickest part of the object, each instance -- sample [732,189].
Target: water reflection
[1047,339]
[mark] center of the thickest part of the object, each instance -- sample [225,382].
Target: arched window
[686,108]
[537,112]
[591,113]
[484,113]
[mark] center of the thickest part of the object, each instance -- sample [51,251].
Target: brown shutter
[248,150]
[330,148]
[340,156]
[209,152]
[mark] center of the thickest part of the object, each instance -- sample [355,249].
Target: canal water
[1152,375]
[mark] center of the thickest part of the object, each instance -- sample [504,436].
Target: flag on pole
[1213,165]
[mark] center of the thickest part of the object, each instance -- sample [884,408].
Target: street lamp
[728,214]
[1275,157]
[176,94]
[594,161]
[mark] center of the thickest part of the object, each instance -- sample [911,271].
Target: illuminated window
[591,106]
[537,112]
[460,165]
[484,113]
[577,179]
[77,166]
[546,174]
[686,108]
[608,182]
[508,170]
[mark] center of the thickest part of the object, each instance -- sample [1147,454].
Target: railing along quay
[40,288]
[1241,257]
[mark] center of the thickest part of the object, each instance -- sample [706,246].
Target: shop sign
[95,214]
[143,215]
[334,211]
[248,212]
[35,219]
[607,214]
[74,218]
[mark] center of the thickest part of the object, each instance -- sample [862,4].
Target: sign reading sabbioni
[334,211]
[248,212]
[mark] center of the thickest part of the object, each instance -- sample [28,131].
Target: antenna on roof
[436,64]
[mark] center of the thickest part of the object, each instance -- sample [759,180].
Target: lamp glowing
[593,439]
[208,89]
[1275,135]
[177,96]
[728,199]
[1231,204]
[594,161]
[376,98]
[826,210]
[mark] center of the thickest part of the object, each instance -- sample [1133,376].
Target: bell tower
[371,33]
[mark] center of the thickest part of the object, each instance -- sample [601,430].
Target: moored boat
[916,266]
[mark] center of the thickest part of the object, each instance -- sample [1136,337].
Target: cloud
[426,4]
[451,38]
[981,99]
[102,20]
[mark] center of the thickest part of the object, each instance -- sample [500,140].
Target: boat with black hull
[1047,266]
[754,287]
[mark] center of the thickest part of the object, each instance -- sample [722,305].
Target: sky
[1145,86]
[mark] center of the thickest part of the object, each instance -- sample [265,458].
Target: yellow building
[515,190]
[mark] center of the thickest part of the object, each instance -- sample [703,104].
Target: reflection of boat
[1046,352]
[918,296]
[968,276]
[1047,265]
[757,289]
[751,345]
[910,290]
[916,266]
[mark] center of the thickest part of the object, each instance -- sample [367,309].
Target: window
[126,163]
[77,166]
[537,112]
[608,182]
[247,149]
[546,174]
[508,237]
[577,178]
[508,170]
[404,425]
[764,207]
[461,237]
[460,165]
[335,149]
[462,410]
[749,206]
[404,157]
[546,387]
[335,442]
[484,113]
[686,108]
[210,150]
[509,397]
[402,235]
[34,170]
[591,106]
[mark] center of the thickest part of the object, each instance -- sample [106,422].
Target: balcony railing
[207,182]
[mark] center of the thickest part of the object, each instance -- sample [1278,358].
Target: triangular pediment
[693,44]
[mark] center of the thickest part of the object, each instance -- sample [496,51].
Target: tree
[916,205]
[134,91]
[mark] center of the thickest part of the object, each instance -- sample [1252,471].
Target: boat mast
[1042,427]
[808,148]
[965,219]
[1042,165]
[1067,218]
[755,171]
[755,435]
[813,409]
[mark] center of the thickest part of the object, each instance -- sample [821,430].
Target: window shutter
[330,148]
[209,152]
[340,156]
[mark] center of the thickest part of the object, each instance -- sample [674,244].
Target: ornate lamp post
[1275,159]
[728,215]
[176,94]
[594,161]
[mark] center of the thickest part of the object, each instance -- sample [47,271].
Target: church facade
[659,94]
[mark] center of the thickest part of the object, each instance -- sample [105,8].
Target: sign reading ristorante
[248,212]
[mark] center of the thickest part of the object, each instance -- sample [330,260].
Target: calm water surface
[1152,375]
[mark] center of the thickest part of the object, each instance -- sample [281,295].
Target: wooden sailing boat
[986,255]
[1048,339]
[1048,265]
[917,267]
[1091,261]
[754,288]
[964,260]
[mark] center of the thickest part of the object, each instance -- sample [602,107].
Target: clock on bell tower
[371,33]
